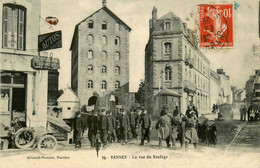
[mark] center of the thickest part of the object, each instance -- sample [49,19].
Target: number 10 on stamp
[216,25]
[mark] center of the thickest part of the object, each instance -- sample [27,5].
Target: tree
[140,95]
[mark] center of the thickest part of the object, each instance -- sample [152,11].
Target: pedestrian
[248,112]
[189,112]
[103,127]
[78,128]
[191,135]
[181,133]
[137,121]
[132,119]
[244,113]
[176,128]
[146,126]
[211,133]
[124,126]
[110,127]
[196,111]
[164,129]
[241,113]
[176,111]
[92,128]
[118,131]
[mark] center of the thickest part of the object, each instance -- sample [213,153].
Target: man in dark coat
[110,126]
[176,111]
[124,126]
[78,128]
[146,126]
[132,119]
[92,128]
[188,112]
[118,131]
[196,111]
[103,127]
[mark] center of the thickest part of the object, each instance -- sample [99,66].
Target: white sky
[136,14]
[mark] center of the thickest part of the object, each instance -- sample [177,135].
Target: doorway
[13,96]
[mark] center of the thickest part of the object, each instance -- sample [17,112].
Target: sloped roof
[68,96]
[108,12]
[168,92]
[169,15]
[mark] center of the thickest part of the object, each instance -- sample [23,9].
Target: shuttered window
[14,27]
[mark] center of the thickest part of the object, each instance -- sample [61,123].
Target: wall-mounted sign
[45,63]
[52,20]
[49,41]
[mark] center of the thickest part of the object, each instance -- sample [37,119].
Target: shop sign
[50,41]
[45,63]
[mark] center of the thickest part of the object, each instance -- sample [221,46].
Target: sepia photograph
[130,83]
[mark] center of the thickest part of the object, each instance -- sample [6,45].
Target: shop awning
[168,92]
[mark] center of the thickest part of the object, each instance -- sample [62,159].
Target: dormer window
[167,25]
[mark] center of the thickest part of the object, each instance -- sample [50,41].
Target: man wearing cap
[146,126]
[110,126]
[132,117]
[124,126]
[92,127]
[77,127]
[103,127]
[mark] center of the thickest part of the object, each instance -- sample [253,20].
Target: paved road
[244,152]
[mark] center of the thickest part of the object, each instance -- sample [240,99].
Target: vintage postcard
[130,83]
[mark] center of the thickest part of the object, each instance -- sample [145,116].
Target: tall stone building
[23,88]
[100,59]
[176,72]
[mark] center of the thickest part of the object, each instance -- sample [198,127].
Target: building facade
[23,89]
[100,58]
[215,89]
[173,61]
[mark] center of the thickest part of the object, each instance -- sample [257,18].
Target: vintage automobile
[22,137]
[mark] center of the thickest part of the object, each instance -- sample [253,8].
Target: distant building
[23,89]
[100,58]
[174,63]
[215,89]
[227,94]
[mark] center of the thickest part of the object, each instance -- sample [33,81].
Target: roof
[169,15]
[168,92]
[108,12]
[68,96]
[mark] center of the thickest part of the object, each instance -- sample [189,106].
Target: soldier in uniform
[110,126]
[164,128]
[132,119]
[124,125]
[191,135]
[146,126]
[92,128]
[78,128]
[103,127]
[176,128]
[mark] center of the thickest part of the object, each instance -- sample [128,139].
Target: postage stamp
[216,25]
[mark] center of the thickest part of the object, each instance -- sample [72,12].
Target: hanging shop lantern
[52,20]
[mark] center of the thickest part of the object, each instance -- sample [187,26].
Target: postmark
[216,25]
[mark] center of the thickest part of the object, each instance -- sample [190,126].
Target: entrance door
[13,96]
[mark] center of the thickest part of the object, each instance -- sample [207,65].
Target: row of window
[103,69]
[90,85]
[103,25]
[199,80]
[104,41]
[103,55]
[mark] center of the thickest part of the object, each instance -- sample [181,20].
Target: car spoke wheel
[47,144]
[24,138]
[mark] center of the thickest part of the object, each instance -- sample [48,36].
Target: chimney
[104,2]
[154,13]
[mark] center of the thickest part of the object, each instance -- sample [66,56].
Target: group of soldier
[125,127]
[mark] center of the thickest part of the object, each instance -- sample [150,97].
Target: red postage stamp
[216,25]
